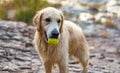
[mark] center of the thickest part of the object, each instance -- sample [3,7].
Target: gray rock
[4,37]
[18,38]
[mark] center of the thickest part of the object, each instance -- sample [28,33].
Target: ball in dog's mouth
[53,41]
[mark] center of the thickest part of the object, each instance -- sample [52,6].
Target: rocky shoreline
[17,53]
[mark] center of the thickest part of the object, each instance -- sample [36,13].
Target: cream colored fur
[71,42]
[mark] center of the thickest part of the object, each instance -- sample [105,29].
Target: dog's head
[49,22]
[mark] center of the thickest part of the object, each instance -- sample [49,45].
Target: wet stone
[18,38]
[10,34]
[4,37]
[21,58]
[2,32]
[29,44]
[110,59]
[2,52]
[25,67]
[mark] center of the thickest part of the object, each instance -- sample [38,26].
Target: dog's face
[49,21]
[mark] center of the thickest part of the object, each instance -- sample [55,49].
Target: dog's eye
[58,21]
[47,20]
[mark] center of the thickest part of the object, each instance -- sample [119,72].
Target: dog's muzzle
[54,33]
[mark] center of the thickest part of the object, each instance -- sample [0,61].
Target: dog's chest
[51,53]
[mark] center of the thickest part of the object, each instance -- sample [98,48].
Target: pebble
[4,37]
[25,67]
[110,59]
[18,38]
[21,58]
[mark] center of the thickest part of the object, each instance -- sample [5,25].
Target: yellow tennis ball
[53,41]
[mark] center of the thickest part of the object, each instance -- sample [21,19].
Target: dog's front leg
[63,65]
[48,66]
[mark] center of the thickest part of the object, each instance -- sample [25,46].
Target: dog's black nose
[54,33]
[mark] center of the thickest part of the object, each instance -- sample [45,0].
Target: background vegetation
[22,10]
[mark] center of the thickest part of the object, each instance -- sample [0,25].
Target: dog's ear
[62,20]
[37,20]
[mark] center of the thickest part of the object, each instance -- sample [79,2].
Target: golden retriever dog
[49,23]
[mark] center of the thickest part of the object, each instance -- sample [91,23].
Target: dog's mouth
[54,34]
[54,37]
[46,36]
[51,40]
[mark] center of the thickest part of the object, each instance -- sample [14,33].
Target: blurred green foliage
[3,14]
[25,9]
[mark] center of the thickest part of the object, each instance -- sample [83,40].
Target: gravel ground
[17,53]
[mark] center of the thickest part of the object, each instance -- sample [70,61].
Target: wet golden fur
[71,42]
